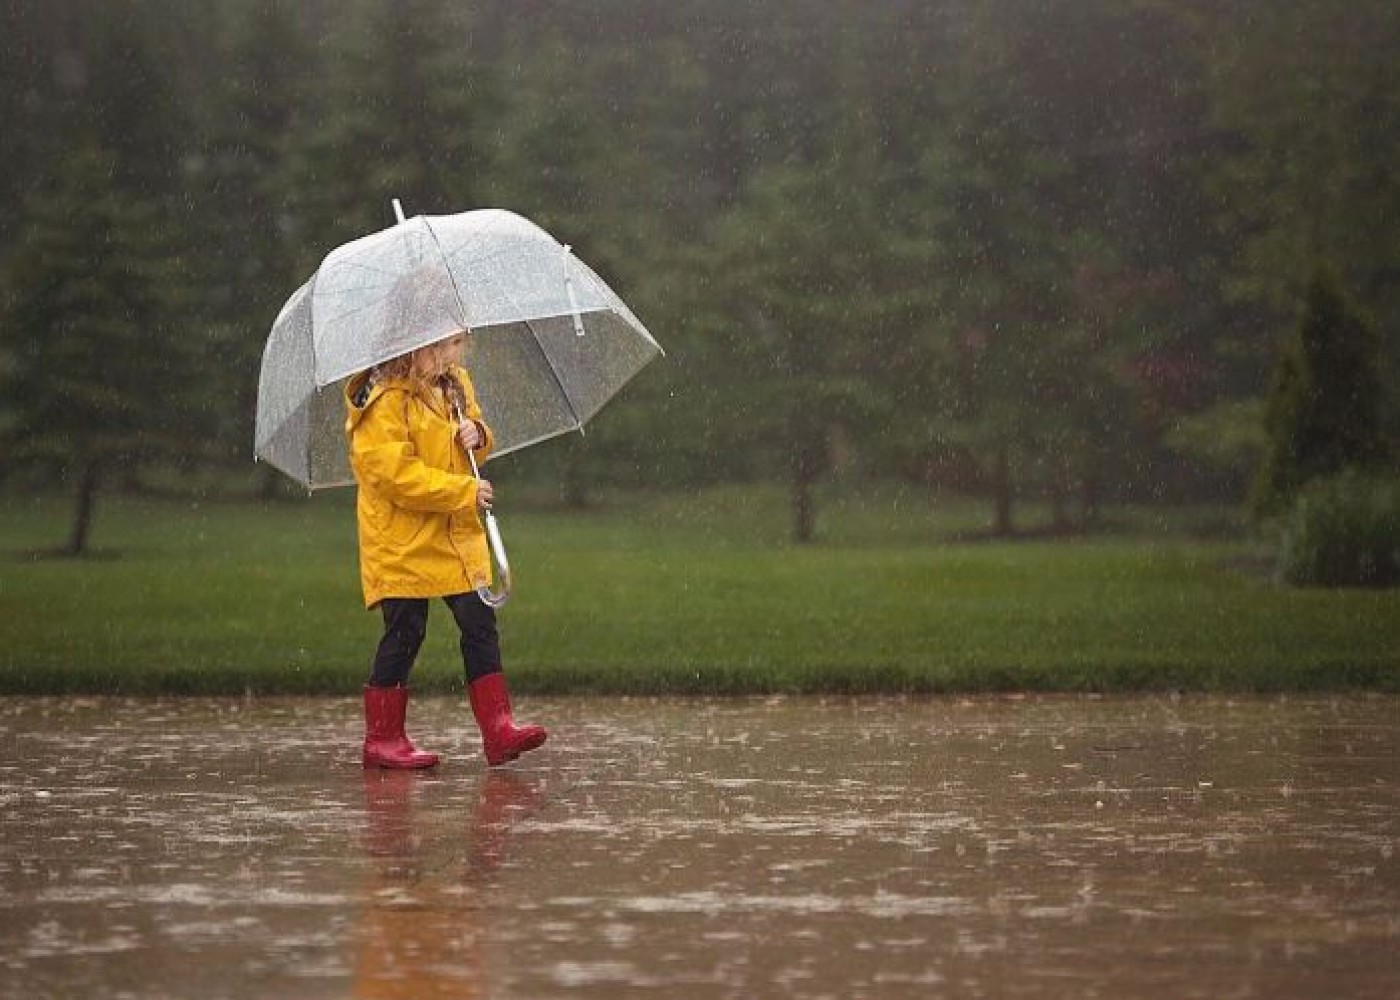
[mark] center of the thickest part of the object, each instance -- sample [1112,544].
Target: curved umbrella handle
[495,598]
[492,598]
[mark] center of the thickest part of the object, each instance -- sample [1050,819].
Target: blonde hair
[423,369]
[409,367]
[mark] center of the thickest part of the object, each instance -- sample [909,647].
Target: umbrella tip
[398,210]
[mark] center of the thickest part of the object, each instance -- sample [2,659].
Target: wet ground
[796,848]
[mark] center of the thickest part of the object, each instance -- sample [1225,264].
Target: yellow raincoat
[420,534]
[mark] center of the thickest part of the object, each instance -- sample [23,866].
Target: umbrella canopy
[551,342]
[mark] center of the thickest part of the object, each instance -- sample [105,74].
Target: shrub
[1343,532]
[1323,414]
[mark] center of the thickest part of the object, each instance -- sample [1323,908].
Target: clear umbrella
[551,342]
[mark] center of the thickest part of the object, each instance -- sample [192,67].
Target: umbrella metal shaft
[492,598]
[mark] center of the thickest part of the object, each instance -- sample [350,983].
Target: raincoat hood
[361,392]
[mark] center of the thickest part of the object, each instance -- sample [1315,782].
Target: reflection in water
[1150,847]
[425,900]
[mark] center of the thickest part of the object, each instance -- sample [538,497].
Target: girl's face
[437,358]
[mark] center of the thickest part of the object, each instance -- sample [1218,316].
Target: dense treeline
[1012,246]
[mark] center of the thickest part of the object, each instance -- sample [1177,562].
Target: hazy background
[1031,251]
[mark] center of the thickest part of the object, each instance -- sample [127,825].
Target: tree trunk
[82,516]
[803,516]
[268,483]
[1090,498]
[575,483]
[1001,485]
[804,474]
[1059,509]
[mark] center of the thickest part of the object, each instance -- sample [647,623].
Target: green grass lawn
[678,595]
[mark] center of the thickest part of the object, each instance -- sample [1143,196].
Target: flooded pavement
[799,848]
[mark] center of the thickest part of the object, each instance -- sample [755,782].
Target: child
[421,537]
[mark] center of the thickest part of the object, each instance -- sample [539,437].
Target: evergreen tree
[94,382]
[26,99]
[395,116]
[798,257]
[1324,410]
[248,266]
[1056,247]
[1009,253]
[1306,107]
[594,145]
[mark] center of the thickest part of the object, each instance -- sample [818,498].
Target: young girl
[421,537]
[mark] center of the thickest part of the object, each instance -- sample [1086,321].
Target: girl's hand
[469,435]
[484,493]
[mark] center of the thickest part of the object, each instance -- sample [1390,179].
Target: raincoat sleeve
[386,461]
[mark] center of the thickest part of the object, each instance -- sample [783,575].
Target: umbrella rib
[520,445]
[558,380]
[462,306]
[452,278]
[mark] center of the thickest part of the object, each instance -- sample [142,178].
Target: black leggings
[406,625]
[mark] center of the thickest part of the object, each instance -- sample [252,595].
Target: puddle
[1144,847]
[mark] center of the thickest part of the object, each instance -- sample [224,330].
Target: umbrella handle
[495,598]
[500,561]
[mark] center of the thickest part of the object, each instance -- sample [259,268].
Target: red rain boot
[501,738]
[385,742]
